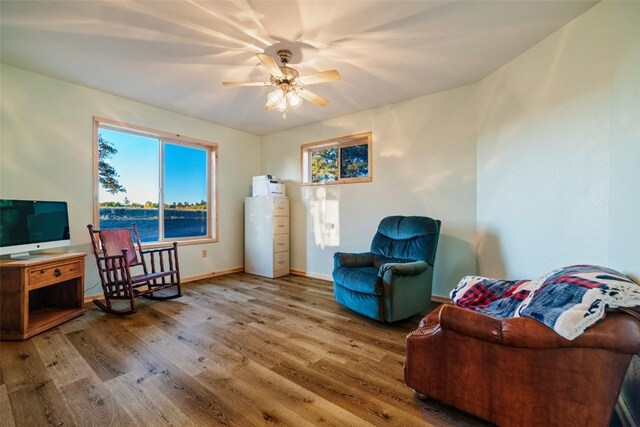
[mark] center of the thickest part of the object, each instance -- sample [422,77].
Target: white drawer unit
[266,236]
[281,206]
[281,243]
[281,224]
[281,261]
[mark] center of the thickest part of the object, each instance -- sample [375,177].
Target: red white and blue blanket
[568,300]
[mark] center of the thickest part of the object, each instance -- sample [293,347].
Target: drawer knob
[57,272]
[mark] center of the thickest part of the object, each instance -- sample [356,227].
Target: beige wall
[424,164]
[559,149]
[553,135]
[543,154]
[624,179]
[46,153]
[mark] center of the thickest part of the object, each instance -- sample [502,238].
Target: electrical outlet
[204,253]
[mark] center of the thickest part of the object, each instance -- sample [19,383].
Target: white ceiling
[175,54]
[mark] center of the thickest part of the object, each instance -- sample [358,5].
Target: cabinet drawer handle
[57,272]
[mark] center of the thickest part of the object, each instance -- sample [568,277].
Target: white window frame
[341,142]
[171,138]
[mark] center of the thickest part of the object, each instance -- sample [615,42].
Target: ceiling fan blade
[325,76]
[246,83]
[313,97]
[271,64]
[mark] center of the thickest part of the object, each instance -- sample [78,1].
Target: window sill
[343,181]
[186,242]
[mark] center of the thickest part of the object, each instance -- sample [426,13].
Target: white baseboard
[186,279]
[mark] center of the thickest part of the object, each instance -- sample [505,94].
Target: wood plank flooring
[236,350]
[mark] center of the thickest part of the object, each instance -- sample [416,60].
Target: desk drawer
[43,276]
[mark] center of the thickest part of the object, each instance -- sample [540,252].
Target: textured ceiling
[175,54]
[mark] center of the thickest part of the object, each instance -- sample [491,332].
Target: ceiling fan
[289,84]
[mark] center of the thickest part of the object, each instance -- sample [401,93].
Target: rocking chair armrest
[111,257]
[174,246]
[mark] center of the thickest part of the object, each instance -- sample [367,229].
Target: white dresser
[266,236]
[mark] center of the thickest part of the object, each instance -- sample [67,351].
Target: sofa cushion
[359,279]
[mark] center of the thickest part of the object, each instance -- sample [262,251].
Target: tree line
[126,203]
[354,162]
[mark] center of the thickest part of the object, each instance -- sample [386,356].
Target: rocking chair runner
[114,268]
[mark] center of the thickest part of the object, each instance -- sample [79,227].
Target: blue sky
[137,163]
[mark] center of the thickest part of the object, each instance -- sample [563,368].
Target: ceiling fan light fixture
[289,92]
[283,99]
[275,97]
[293,99]
[282,106]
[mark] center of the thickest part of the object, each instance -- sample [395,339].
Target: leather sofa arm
[342,259]
[619,332]
[431,319]
[429,325]
[404,269]
[470,323]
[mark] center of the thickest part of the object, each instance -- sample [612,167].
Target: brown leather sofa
[519,372]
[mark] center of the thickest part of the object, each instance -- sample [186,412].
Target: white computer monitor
[32,225]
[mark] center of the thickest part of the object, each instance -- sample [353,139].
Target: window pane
[354,161]
[324,165]
[185,191]
[128,175]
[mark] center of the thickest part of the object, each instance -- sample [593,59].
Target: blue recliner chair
[393,280]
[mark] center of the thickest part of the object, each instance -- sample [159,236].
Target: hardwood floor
[235,350]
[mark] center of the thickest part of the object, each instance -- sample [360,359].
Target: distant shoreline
[151,209]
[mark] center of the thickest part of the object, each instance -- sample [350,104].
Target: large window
[336,161]
[163,183]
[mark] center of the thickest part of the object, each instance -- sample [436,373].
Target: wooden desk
[39,293]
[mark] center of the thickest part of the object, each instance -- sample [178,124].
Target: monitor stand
[21,255]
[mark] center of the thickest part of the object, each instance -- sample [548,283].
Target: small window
[163,183]
[336,161]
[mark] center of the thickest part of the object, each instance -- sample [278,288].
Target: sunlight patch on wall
[325,216]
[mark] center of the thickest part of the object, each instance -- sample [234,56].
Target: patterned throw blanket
[568,300]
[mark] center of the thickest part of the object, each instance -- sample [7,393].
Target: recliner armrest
[342,259]
[404,269]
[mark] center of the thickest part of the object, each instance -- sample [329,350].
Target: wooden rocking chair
[114,267]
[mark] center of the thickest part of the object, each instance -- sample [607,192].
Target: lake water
[177,223]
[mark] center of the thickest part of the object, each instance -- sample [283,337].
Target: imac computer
[31,225]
